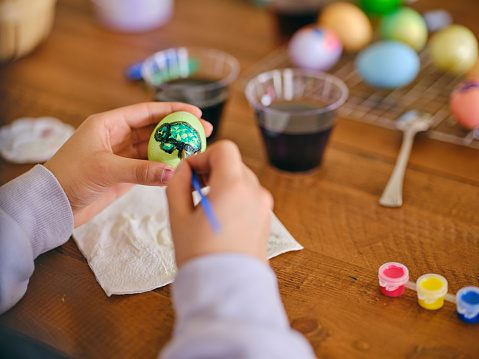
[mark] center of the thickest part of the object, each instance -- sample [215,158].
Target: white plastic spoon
[409,123]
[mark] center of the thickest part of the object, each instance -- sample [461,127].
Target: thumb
[128,170]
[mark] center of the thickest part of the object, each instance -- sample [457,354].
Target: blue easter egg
[388,64]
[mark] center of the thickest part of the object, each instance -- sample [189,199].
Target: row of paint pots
[431,291]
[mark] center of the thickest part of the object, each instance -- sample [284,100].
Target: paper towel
[129,248]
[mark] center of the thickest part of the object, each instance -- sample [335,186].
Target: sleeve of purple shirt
[35,216]
[228,306]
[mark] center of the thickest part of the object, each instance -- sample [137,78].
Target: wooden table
[330,289]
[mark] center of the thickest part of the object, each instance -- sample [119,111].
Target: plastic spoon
[409,123]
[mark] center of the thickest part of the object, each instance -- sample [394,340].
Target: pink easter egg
[464,104]
[314,47]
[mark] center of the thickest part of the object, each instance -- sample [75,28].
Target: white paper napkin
[129,247]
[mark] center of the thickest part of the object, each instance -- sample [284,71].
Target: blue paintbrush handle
[207,207]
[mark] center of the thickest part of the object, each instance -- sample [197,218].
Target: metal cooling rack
[429,92]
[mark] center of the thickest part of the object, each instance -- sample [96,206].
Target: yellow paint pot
[431,289]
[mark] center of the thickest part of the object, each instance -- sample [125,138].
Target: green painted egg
[177,136]
[405,25]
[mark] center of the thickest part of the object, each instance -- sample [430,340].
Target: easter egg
[388,64]
[314,47]
[437,19]
[453,49]
[464,104]
[349,22]
[405,25]
[379,6]
[177,136]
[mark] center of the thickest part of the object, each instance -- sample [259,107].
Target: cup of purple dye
[296,113]
[199,76]
[291,15]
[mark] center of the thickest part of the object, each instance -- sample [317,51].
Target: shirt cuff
[38,203]
[228,286]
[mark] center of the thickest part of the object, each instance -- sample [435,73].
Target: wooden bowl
[24,24]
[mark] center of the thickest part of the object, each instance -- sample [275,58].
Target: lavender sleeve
[228,306]
[35,216]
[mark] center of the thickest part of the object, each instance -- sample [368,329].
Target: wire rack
[429,92]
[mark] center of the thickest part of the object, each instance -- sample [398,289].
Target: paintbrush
[206,204]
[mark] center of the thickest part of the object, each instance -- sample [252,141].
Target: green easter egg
[405,25]
[177,136]
[379,6]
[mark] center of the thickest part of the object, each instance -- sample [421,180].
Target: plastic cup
[392,278]
[194,75]
[467,301]
[291,15]
[133,15]
[431,290]
[296,112]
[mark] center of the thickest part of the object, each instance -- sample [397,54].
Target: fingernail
[166,175]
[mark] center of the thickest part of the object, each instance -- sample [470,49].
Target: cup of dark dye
[296,112]
[467,302]
[194,75]
[291,15]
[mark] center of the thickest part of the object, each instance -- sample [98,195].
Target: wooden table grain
[330,289]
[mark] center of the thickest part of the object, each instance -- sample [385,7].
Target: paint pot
[431,289]
[467,301]
[392,277]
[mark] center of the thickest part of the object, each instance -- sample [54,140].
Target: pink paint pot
[392,278]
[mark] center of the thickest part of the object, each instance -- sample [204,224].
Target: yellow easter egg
[453,49]
[349,22]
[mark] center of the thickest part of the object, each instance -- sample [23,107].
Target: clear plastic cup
[392,278]
[296,112]
[431,290]
[194,75]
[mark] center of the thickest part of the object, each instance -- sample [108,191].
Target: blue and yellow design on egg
[177,136]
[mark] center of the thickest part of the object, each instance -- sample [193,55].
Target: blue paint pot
[467,301]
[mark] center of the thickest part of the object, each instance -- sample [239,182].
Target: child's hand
[242,206]
[107,155]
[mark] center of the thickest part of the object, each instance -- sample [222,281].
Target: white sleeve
[228,306]
[35,216]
